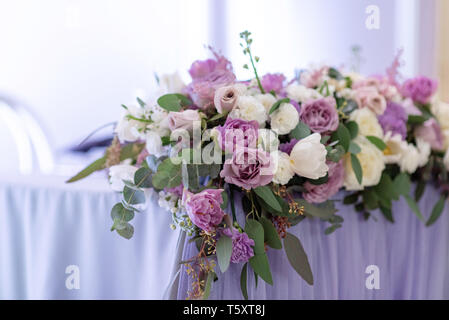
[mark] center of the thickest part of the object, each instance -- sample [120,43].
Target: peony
[273,82]
[120,173]
[268,140]
[372,163]
[419,89]
[226,98]
[369,97]
[308,157]
[267,99]
[367,122]
[323,192]
[301,93]
[248,168]
[284,172]
[396,148]
[183,120]
[249,109]
[284,119]
[430,132]
[236,133]
[242,245]
[204,208]
[320,115]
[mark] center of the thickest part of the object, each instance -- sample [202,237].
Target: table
[47,227]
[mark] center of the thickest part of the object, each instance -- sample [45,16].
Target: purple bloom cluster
[242,245]
[394,119]
[420,89]
[323,192]
[273,82]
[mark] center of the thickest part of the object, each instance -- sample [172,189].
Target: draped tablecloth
[47,226]
[412,259]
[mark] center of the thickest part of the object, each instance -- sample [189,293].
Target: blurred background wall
[73,62]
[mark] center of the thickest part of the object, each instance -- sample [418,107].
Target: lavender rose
[236,133]
[242,245]
[420,89]
[320,115]
[226,98]
[273,82]
[248,168]
[183,120]
[321,193]
[204,208]
[394,119]
[430,132]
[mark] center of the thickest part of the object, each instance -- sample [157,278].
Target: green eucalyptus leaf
[343,136]
[298,257]
[224,251]
[120,213]
[271,236]
[414,206]
[127,232]
[357,168]
[377,142]
[173,102]
[94,166]
[133,196]
[255,231]
[301,131]
[261,266]
[244,281]
[437,211]
[353,128]
[354,148]
[208,286]
[277,104]
[142,178]
[265,193]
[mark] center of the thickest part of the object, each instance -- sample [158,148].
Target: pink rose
[369,97]
[183,119]
[430,132]
[204,208]
[323,192]
[320,115]
[226,98]
[248,168]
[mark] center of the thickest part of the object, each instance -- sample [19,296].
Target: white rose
[170,83]
[268,140]
[119,173]
[284,119]
[284,172]
[446,160]
[267,99]
[424,150]
[372,162]
[301,93]
[441,112]
[396,148]
[154,144]
[367,122]
[128,129]
[249,109]
[410,161]
[308,157]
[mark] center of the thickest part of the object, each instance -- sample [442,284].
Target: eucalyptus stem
[246,37]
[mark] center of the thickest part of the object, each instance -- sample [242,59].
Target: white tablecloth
[46,226]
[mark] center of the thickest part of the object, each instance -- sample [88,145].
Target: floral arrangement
[286,147]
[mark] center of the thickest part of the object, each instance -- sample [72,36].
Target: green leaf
[386,188]
[255,231]
[332,229]
[357,168]
[224,196]
[377,142]
[271,236]
[268,196]
[320,181]
[140,102]
[414,206]
[142,178]
[416,119]
[388,214]
[301,131]
[277,104]
[298,257]
[244,281]
[120,213]
[131,151]
[354,148]
[94,166]
[133,196]
[261,266]
[168,175]
[224,251]
[335,154]
[208,286]
[335,74]
[127,232]
[419,191]
[216,117]
[350,106]
[173,102]
[370,199]
[351,199]
[190,176]
[402,184]
[353,128]
[437,211]
[343,136]
[323,210]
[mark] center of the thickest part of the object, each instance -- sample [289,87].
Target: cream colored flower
[284,172]
[284,119]
[367,122]
[396,148]
[267,99]
[301,93]
[249,109]
[308,157]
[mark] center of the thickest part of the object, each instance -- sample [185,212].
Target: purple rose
[273,82]
[430,132]
[320,115]
[204,208]
[248,168]
[288,146]
[394,119]
[420,89]
[242,245]
[208,76]
[321,193]
[237,133]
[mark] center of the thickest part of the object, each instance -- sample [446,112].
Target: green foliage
[437,210]
[301,131]
[168,175]
[244,281]
[298,257]
[173,102]
[377,142]
[94,166]
[224,251]
[267,195]
[277,104]
[343,136]
[357,168]
[271,236]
